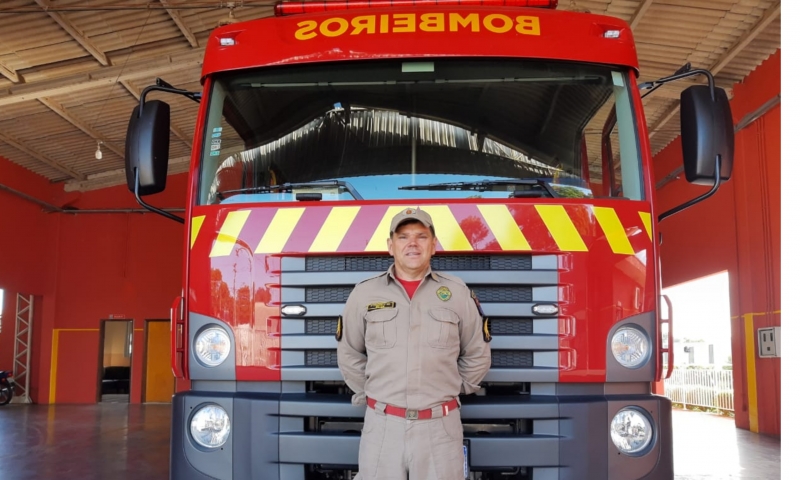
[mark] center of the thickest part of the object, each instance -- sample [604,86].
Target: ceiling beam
[176,17]
[665,118]
[9,73]
[768,17]
[137,94]
[674,89]
[116,177]
[149,67]
[62,112]
[5,137]
[745,40]
[74,32]
[639,14]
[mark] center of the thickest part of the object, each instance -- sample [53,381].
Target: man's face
[412,245]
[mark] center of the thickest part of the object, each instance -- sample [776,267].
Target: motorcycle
[6,387]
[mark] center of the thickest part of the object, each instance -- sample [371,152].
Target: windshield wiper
[536,187]
[289,187]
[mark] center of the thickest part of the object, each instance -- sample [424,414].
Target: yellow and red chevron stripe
[624,227]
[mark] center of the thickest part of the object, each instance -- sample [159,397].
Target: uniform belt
[415,414]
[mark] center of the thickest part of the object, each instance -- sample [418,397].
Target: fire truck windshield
[433,128]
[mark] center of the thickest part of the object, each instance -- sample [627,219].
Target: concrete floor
[84,442]
[120,441]
[710,447]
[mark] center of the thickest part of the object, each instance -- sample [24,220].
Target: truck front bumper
[567,437]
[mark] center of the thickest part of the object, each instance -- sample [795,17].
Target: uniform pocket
[381,331]
[452,426]
[371,444]
[370,420]
[447,439]
[442,328]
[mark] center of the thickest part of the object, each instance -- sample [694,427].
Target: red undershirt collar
[409,285]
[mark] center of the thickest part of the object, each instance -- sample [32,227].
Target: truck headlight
[212,346]
[210,426]
[631,430]
[630,347]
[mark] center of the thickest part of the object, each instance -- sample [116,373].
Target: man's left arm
[351,351]
[475,357]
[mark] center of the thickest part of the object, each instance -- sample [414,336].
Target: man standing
[409,341]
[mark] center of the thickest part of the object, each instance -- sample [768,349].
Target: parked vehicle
[6,387]
[521,131]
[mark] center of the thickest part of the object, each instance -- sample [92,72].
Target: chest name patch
[380,305]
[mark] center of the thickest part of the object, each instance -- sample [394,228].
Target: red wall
[84,268]
[737,230]
[26,254]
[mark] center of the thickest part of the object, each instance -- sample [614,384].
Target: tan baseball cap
[411,214]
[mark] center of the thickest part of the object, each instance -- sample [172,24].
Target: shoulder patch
[477,303]
[487,334]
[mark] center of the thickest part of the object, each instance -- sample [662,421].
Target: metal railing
[701,388]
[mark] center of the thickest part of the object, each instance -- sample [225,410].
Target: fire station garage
[634,253]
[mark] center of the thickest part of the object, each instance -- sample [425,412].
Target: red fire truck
[521,131]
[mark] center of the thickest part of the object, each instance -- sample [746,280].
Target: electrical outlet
[769,342]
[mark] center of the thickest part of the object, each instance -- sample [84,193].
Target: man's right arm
[351,352]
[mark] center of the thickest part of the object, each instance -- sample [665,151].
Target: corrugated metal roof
[71,70]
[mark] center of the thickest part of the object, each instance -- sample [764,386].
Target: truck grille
[500,359]
[504,294]
[380,263]
[321,358]
[524,347]
[328,294]
[321,326]
[512,359]
[485,294]
[505,326]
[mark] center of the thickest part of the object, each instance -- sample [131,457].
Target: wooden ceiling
[71,70]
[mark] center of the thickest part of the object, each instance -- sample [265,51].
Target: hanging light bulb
[231,17]
[99,153]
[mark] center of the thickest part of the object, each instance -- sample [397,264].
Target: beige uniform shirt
[412,353]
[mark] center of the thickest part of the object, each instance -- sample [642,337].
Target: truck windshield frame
[382,126]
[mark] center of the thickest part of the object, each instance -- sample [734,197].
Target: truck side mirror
[706,132]
[147,148]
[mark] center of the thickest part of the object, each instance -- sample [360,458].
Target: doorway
[159,383]
[116,350]
[702,379]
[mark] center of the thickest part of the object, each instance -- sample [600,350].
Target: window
[409,129]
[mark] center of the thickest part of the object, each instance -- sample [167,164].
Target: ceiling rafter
[176,17]
[115,176]
[5,137]
[73,84]
[63,113]
[673,90]
[9,73]
[640,12]
[768,17]
[74,32]
[137,94]
[102,76]
[745,40]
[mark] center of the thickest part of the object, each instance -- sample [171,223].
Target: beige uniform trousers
[393,448]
